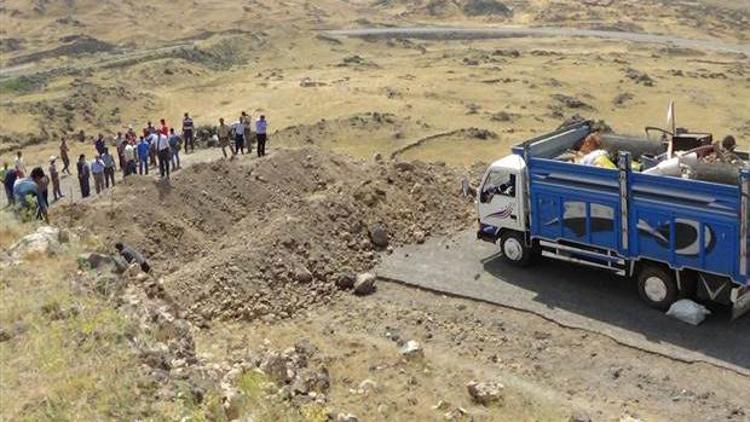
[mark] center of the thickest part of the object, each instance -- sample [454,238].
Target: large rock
[97,261]
[365,284]
[485,393]
[45,240]
[379,236]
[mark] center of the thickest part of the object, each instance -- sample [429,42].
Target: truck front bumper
[487,233]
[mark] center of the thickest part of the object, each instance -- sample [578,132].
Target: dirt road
[585,299]
[458,33]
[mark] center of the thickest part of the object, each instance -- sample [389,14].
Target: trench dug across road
[571,296]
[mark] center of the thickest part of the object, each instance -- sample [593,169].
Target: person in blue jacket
[31,186]
[143,155]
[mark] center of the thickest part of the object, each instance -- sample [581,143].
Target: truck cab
[501,206]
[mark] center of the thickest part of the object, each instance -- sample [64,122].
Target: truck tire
[515,251]
[657,287]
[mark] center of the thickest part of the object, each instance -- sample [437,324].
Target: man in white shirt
[164,154]
[129,157]
[239,136]
[261,128]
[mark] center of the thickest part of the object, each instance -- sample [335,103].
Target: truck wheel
[657,287]
[515,251]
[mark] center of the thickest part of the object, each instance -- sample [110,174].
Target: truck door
[500,197]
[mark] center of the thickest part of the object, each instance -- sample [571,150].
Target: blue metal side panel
[575,203]
[686,223]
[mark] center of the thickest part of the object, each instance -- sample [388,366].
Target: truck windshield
[500,182]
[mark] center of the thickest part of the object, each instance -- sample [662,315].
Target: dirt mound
[271,237]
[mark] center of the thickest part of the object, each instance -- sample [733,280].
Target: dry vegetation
[69,351]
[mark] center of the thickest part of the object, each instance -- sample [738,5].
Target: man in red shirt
[164,129]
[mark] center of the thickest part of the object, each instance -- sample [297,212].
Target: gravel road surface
[572,296]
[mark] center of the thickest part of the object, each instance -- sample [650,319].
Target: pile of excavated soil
[267,238]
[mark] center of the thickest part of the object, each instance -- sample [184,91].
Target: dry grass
[68,357]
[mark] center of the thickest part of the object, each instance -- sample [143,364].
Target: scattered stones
[368,386]
[579,416]
[303,275]
[419,237]
[346,417]
[571,102]
[365,284]
[345,280]
[5,334]
[307,82]
[639,77]
[379,235]
[622,98]
[412,350]
[485,393]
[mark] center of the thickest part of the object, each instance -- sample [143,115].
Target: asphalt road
[572,296]
[461,33]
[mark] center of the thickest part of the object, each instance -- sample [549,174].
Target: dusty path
[458,33]
[584,299]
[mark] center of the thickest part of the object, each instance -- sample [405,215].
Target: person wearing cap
[97,169]
[109,168]
[55,178]
[261,128]
[64,156]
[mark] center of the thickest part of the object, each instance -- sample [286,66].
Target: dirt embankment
[269,238]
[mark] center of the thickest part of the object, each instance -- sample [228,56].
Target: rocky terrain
[262,303]
[271,238]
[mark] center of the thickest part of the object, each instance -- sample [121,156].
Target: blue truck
[676,237]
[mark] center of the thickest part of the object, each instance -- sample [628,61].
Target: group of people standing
[136,153]
[241,133]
